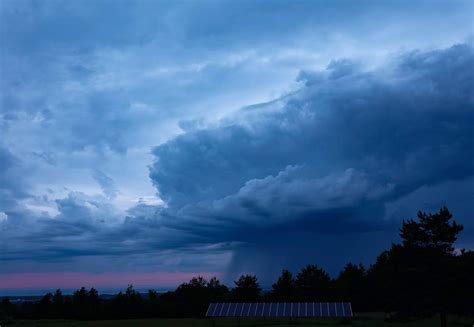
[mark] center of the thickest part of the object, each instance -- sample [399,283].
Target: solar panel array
[306,309]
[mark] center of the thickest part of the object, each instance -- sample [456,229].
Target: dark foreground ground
[369,320]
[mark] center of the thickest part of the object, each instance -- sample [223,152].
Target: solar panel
[238,309]
[217,309]
[280,310]
[210,310]
[225,310]
[302,310]
[258,310]
[266,309]
[347,309]
[231,311]
[324,309]
[275,309]
[339,309]
[317,309]
[245,309]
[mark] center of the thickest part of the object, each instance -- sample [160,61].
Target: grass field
[369,320]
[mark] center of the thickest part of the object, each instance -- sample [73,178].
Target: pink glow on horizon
[70,280]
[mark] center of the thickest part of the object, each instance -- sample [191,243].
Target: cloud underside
[311,176]
[325,167]
[347,141]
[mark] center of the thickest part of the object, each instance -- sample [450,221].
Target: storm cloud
[183,137]
[330,156]
[325,167]
[343,140]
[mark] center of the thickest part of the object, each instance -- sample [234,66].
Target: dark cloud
[384,124]
[329,157]
[321,175]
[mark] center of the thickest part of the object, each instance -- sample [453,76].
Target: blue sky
[227,137]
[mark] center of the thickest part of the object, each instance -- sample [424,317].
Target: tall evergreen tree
[217,292]
[421,269]
[350,285]
[432,231]
[58,303]
[247,289]
[313,284]
[192,297]
[285,287]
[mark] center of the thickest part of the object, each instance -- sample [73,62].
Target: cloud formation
[123,145]
[106,183]
[333,153]
[347,137]
[317,168]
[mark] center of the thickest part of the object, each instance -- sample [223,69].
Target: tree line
[421,276]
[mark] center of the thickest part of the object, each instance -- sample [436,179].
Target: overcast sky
[149,141]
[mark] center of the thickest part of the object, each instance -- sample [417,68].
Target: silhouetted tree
[420,276]
[464,283]
[421,269]
[45,307]
[313,284]
[58,303]
[152,295]
[247,289]
[431,231]
[79,300]
[128,304]
[7,309]
[93,304]
[153,304]
[68,307]
[285,287]
[134,301]
[86,304]
[169,306]
[350,285]
[217,292]
[192,297]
